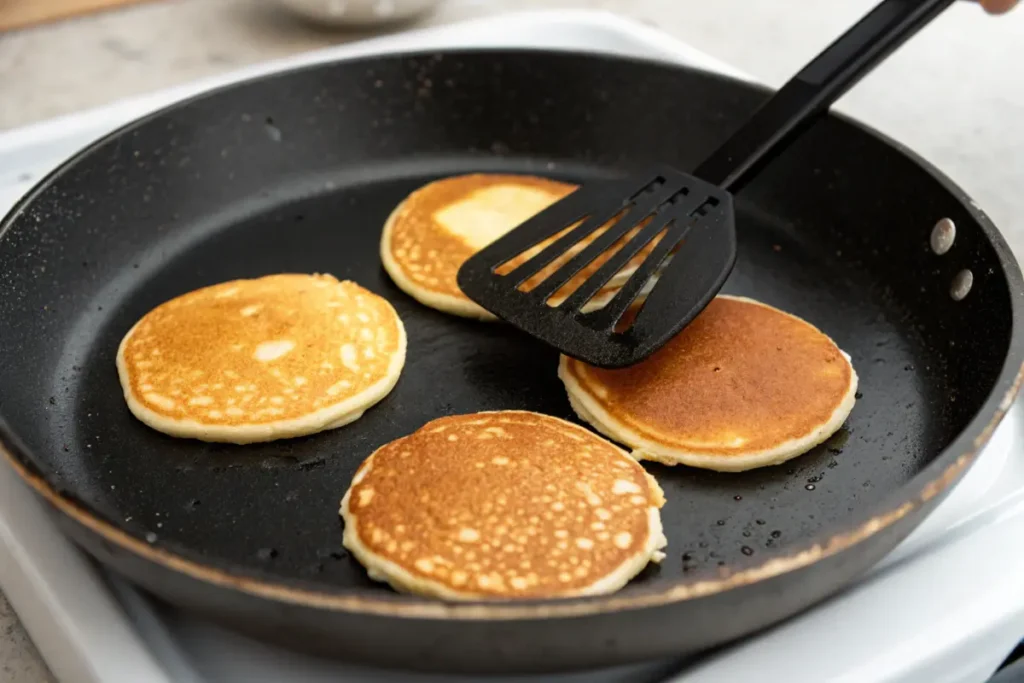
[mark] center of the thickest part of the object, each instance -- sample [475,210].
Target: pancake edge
[446,303]
[403,581]
[330,417]
[591,412]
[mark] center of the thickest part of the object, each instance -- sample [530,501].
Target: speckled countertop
[955,93]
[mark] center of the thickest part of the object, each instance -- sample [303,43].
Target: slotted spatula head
[691,216]
[691,222]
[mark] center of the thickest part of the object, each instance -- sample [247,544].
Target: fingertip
[998,6]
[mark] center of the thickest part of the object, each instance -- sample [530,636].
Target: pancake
[744,385]
[431,233]
[257,360]
[503,505]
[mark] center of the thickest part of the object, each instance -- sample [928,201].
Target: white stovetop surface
[977,136]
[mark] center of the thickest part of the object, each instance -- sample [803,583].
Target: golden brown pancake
[744,385]
[255,360]
[428,237]
[503,505]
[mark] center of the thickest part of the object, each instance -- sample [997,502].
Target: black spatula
[693,214]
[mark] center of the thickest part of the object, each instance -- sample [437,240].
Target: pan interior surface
[275,505]
[224,187]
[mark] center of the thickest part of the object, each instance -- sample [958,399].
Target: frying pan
[297,171]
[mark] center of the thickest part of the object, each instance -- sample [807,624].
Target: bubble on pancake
[272,350]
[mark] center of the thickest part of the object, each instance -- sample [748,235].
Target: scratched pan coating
[298,171]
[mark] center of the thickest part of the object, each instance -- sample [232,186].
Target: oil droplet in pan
[266,554]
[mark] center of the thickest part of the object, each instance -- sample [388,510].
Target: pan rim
[932,482]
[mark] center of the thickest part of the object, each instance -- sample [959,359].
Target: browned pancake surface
[262,350]
[430,254]
[739,371]
[505,504]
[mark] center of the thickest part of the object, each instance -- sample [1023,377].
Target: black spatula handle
[816,87]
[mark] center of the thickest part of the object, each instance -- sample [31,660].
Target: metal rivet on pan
[943,235]
[961,286]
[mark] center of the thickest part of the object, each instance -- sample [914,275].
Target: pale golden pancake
[744,385]
[431,233]
[503,505]
[256,360]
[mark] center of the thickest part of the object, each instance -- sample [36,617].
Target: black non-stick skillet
[297,172]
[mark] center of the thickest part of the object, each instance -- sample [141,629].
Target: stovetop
[946,605]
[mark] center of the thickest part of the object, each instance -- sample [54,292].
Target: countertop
[955,93]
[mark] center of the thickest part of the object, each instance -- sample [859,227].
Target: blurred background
[955,94]
[955,91]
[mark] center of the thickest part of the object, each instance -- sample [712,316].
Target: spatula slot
[614,243]
[525,259]
[705,208]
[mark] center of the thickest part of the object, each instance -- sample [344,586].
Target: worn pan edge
[927,487]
